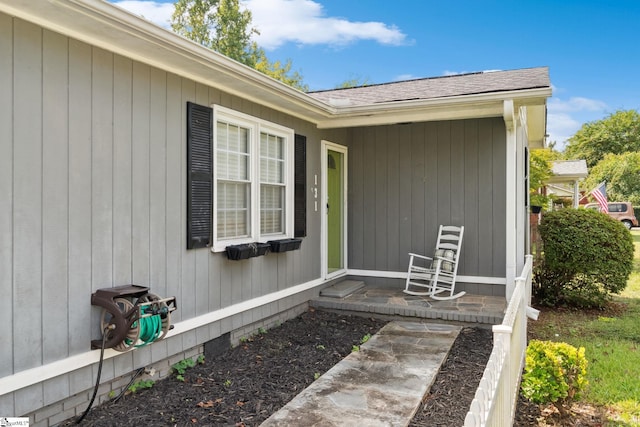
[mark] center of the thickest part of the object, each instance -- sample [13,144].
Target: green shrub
[555,373]
[587,256]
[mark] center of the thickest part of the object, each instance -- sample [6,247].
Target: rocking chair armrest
[420,256]
[440,260]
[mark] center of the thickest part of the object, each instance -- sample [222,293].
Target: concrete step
[342,289]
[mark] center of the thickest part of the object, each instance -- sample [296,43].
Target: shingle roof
[561,168]
[438,87]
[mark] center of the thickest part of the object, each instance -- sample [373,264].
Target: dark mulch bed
[451,394]
[246,384]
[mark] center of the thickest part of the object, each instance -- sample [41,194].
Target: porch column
[576,194]
[510,118]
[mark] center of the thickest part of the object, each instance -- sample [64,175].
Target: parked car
[622,211]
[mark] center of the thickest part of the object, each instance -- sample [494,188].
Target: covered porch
[390,301]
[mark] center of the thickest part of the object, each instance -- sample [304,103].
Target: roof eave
[449,108]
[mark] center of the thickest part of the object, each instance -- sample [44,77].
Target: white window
[253,186]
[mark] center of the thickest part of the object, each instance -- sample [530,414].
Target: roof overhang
[109,27]
[114,29]
[449,108]
[568,171]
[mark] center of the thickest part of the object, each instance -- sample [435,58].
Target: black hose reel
[132,317]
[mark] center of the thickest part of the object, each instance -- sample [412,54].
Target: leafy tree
[622,174]
[539,172]
[221,25]
[233,32]
[354,82]
[278,70]
[195,19]
[616,134]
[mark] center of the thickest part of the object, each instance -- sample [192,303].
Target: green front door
[335,211]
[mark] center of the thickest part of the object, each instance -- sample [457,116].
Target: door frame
[326,146]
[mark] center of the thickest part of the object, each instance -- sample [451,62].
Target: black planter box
[285,245]
[247,250]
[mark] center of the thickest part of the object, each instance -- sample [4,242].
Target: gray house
[129,155]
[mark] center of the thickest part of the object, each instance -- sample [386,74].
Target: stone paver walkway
[381,385]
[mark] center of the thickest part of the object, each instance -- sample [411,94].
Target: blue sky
[592,48]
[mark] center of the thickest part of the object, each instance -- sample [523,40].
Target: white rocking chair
[437,275]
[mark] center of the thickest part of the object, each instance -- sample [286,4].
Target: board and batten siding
[407,179]
[93,195]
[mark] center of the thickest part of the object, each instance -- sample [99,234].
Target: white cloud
[283,21]
[560,127]
[456,73]
[157,12]
[453,73]
[566,117]
[576,103]
[403,77]
[304,22]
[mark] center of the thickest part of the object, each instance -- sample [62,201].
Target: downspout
[510,197]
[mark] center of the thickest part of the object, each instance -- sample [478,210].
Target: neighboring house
[105,181]
[565,179]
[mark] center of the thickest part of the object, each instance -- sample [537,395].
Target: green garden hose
[150,330]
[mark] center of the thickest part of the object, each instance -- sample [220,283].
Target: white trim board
[42,373]
[485,280]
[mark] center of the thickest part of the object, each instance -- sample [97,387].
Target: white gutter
[449,108]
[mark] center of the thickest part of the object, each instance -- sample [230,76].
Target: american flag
[600,194]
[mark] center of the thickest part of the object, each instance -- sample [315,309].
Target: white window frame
[256,126]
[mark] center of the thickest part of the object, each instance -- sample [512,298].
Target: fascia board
[423,114]
[450,108]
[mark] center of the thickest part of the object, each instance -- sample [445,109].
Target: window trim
[256,126]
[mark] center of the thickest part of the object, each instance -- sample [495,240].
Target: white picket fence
[497,395]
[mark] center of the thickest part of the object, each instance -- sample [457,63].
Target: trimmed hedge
[587,256]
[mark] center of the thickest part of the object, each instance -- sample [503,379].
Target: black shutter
[199,175]
[300,189]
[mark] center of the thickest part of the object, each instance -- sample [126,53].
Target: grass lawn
[611,339]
